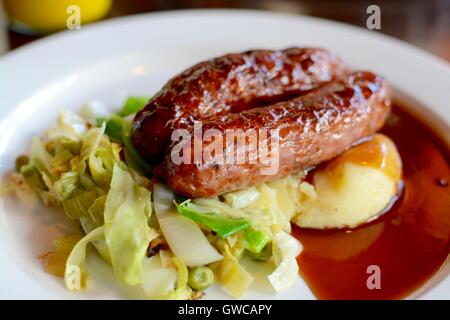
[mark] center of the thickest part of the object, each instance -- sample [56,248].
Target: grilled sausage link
[311,129]
[227,84]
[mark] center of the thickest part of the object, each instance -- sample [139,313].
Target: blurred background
[425,24]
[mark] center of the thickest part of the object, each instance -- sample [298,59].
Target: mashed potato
[353,188]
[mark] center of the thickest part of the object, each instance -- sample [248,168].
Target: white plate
[137,55]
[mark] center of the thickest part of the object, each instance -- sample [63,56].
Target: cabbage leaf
[287,248]
[127,234]
[223,226]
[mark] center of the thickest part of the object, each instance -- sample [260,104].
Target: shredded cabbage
[79,205]
[232,276]
[100,173]
[223,226]
[214,205]
[118,129]
[62,248]
[70,126]
[158,281]
[182,291]
[184,237]
[202,211]
[41,158]
[255,240]
[287,248]
[133,105]
[88,225]
[242,198]
[127,209]
[165,282]
[91,141]
[75,275]
[102,184]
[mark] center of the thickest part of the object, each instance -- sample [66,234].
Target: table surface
[423,23]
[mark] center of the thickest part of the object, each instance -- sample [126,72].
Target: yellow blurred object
[45,16]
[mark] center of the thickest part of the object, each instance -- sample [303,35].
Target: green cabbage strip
[127,234]
[223,226]
[133,157]
[255,240]
[133,104]
[118,129]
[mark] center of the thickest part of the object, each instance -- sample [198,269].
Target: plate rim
[27,50]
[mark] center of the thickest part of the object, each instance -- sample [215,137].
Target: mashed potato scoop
[353,188]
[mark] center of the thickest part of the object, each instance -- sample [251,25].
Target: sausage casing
[230,83]
[312,128]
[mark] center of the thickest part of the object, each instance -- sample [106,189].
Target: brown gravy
[409,242]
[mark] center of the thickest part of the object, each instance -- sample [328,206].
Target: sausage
[227,84]
[312,128]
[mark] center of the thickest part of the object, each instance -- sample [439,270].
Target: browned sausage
[312,128]
[227,84]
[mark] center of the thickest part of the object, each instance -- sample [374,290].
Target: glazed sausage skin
[312,128]
[230,83]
